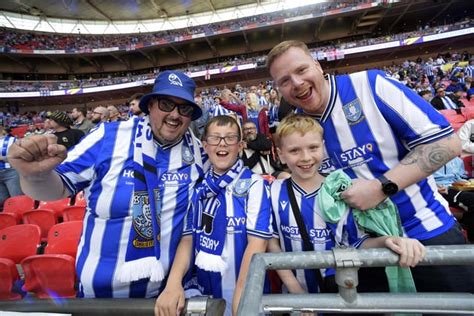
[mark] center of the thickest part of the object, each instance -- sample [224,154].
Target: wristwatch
[389,188]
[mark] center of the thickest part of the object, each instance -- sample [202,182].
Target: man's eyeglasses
[216,140]
[166,105]
[96,113]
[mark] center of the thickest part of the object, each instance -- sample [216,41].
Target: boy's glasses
[166,105]
[216,140]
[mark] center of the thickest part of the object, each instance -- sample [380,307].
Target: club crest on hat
[174,80]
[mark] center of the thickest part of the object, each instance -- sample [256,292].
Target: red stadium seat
[50,276]
[19,241]
[56,206]
[18,205]
[468,165]
[80,199]
[74,213]
[468,112]
[8,219]
[63,238]
[8,276]
[44,218]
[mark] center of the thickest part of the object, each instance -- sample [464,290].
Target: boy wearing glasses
[229,218]
[137,176]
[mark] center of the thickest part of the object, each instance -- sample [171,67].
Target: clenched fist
[36,154]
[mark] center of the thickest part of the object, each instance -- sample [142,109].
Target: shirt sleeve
[259,209]
[78,170]
[411,118]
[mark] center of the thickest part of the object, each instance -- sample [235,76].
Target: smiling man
[404,141]
[138,176]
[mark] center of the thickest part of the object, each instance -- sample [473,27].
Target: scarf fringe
[210,262]
[148,267]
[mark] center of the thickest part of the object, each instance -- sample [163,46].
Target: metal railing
[118,307]
[347,262]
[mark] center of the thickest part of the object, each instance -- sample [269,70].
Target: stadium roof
[129,16]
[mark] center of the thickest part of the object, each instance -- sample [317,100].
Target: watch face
[389,188]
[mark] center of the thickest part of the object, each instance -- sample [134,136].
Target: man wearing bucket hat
[61,123]
[138,176]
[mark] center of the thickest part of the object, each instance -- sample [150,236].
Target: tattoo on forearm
[428,157]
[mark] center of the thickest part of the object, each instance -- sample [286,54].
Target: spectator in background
[426,94]
[466,134]
[454,173]
[80,121]
[99,115]
[446,102]
[114,114]
[134,102]
[231,102]
[256,114]
[9,180]
[257,154]
[61,124]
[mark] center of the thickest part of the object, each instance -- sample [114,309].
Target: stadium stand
[8,275]
[42,217]
[19,241]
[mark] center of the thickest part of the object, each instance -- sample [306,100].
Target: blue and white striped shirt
[370,124]
[5,144]
[102,165]
[323,235]
[246,202]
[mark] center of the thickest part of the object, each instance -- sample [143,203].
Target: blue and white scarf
[211,228]
[142,259]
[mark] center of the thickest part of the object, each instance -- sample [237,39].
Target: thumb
[392,245]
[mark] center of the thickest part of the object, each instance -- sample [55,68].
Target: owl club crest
[187,155]
[142,219]
[242,186]
[353,112]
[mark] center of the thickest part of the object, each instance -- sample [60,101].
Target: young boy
[301,148]
[230,219]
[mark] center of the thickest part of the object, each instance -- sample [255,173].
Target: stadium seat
[74,213]
[63,238]
[44,218]
[8,219]
[468,165]
[80,199]
[56,206]
[8,276]
[18,205]
[19,241]
[468,112]
[50,276]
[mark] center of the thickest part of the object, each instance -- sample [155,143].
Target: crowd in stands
[84,81]
[25,40]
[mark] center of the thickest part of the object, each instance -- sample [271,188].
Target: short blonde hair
[281,48]
[298,123]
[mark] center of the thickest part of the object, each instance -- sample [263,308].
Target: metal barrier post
[348,300]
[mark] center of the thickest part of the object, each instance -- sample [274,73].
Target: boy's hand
[170,302]
[411,251]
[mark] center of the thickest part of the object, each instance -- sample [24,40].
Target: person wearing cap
[61,123]
[137,176]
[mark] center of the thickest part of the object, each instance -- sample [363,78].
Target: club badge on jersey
[353,112]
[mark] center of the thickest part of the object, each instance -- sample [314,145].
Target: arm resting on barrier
[411,251]
[171,300]
[255,245]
